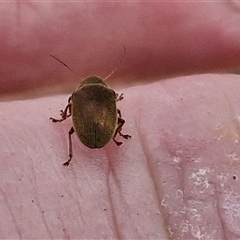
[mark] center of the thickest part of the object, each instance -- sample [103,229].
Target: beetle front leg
[64,113]
[119,98]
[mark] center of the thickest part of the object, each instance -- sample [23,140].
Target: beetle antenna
[114,70]
[61,62]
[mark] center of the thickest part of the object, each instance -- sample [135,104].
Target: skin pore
[178,177]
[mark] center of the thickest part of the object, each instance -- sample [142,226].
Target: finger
[179,169]
[161,39]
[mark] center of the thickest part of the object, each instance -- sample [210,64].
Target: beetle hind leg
[119,129]
[126,136]
[121,122]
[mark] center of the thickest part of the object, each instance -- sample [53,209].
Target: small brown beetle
[96,119]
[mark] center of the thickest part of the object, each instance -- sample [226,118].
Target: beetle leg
[119,113]
[119,129]
[119,98]
[64,114]
[120,124]
[70,154]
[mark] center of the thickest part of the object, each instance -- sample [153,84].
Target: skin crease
[178,177]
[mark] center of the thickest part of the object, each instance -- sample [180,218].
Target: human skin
[176,178]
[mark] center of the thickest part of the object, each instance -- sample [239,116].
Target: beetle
[95,117]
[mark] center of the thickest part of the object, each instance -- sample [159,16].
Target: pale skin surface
[177,178]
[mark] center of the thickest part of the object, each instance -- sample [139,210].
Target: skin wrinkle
[107,209]
[79,194]
[219,212]
[10,209]
[63,225]
[80,219]
[92,190]
[37,200]
[66,236]
[151,174]
[123,201]
[182,189]
[184,199]
[237,127]
[114,218]
[111,220]
[191,196]
[120,196]
[217,193]
[163,210]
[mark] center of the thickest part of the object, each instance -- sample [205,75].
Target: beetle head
[92,80]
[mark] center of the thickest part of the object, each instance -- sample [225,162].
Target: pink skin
[178,177]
